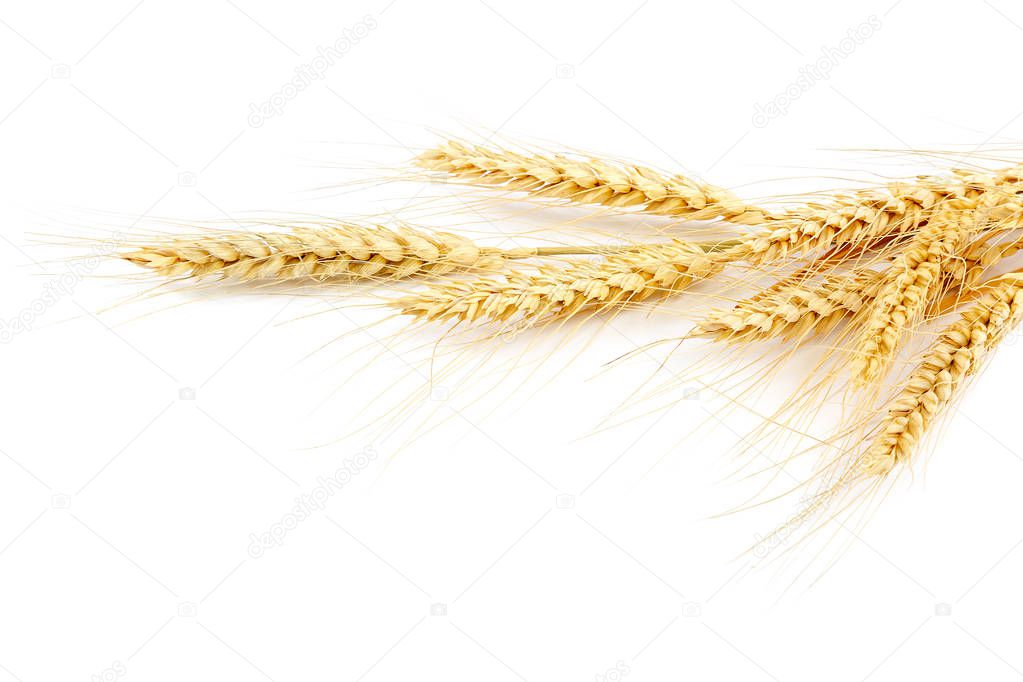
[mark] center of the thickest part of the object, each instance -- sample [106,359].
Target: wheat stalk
[845,218]
[589,181]
[858,217]
[886,259]
[864,218]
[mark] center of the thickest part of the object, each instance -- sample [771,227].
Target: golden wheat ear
[547,294]
[871,217]
[958,354]
[915,278]
[937,381]
[796,311]
[911,286]
[588,180]
[805,305]
[338,251]
[845,218]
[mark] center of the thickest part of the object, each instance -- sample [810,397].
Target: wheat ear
[557,293]
[862,217]
[797,308]
[858,218]
[342,250]
[589,180]
[914,282]
[958,353]
[874,215]
[669,267]
[978,258]
[795,311]
[855,218]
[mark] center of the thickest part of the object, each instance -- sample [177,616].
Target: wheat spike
[589,181]
[798,308]
[869,215]
[980,256]
[846,218]
[794,311]
[910,286]
[341,250]
[344,251]
[865,217]
[854,218]
[557,293]
[915,277]
[957,354]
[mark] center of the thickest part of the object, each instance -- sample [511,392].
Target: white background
[127,510]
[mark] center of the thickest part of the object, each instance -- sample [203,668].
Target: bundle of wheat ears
[873,270]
